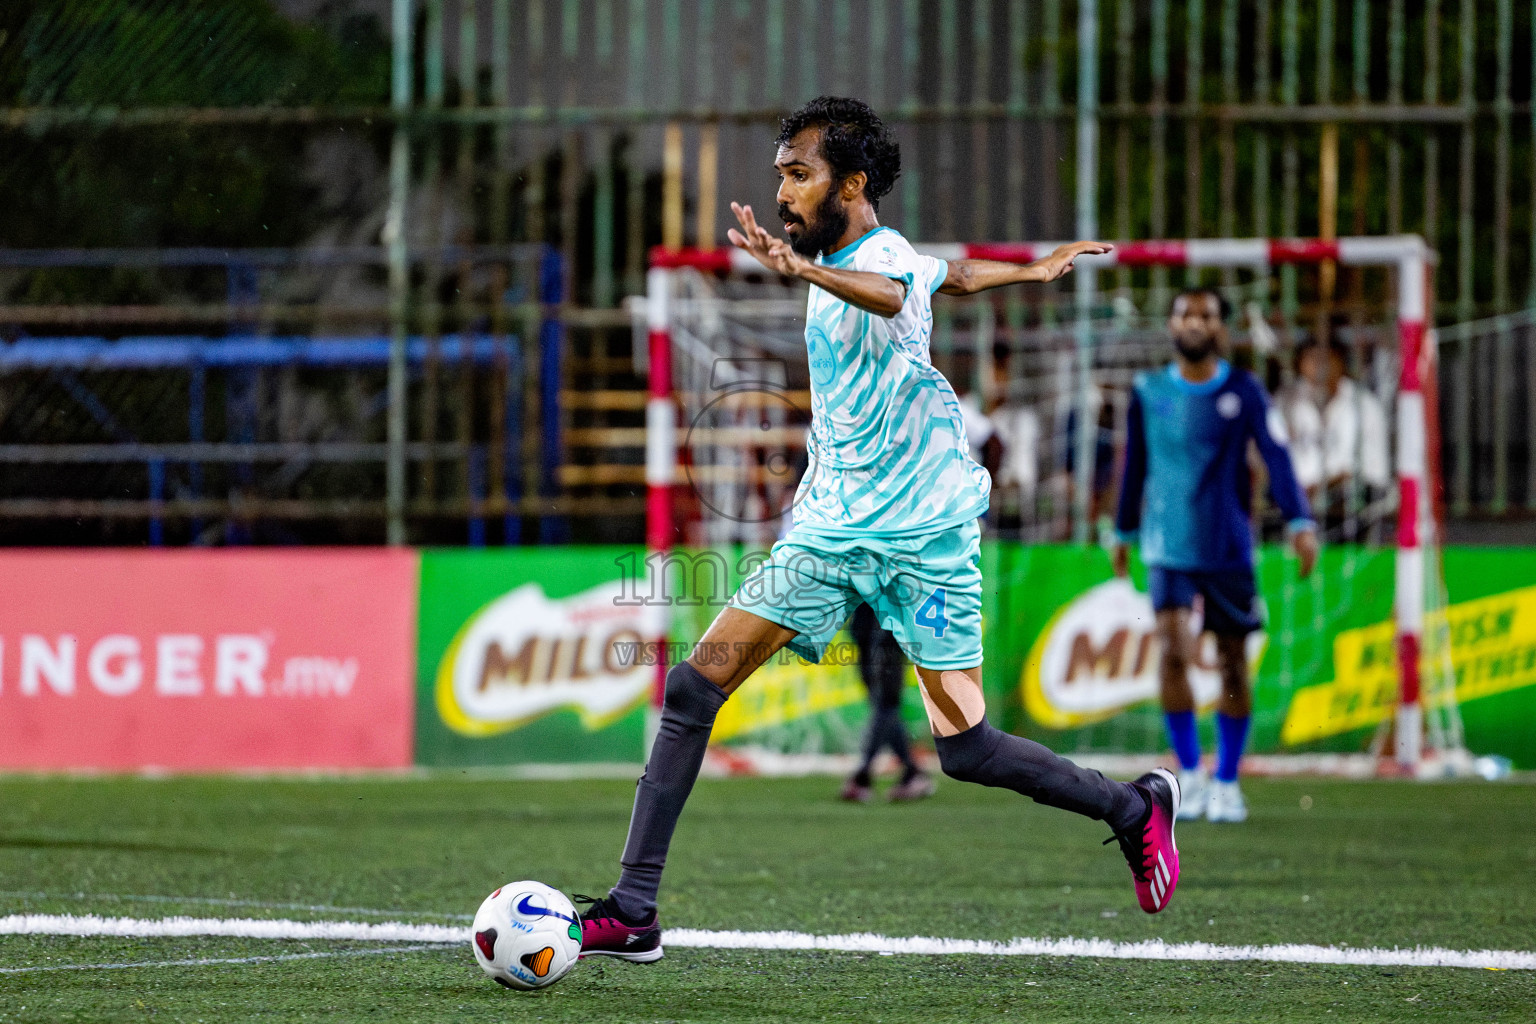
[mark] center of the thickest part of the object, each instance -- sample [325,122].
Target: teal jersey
[888,454]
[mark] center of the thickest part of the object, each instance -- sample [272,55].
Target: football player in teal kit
[1186,492]
[886,514]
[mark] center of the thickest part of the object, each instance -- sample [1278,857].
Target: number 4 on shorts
[930,614]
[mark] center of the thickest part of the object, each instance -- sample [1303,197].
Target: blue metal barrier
[198,355]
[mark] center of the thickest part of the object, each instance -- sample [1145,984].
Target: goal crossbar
[1408,255]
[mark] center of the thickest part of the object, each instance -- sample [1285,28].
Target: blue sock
[1231,737]
[1181,733]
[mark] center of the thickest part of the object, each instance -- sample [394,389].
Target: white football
[526,935]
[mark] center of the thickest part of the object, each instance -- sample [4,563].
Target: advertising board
[1079,650]
[533,655]
[203,660]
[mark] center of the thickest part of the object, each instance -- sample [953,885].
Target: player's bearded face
[1194,345]
[1196,330]
[826,225]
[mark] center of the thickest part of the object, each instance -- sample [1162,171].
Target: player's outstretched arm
[874,293]
[1133,480]
[967,277]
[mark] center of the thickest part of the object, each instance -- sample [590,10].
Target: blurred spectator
[980,432]
[987,447]
[1018,427]
[1339,443]
[1102,414]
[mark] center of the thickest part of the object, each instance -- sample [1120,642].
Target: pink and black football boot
[1149,847]
[604,932]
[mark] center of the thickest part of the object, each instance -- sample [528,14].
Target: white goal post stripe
[1155,949]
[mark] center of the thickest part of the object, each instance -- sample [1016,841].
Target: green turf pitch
[1364,864]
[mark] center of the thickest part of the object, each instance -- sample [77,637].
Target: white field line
[232,927]
[213,962]
[214,901]
[396,931]
[1107,949]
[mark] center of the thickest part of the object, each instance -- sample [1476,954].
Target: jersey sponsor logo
[1098,656]
[1229,405]
[822,358]
[525,655]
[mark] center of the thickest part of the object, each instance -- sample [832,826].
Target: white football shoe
[1226,803]
[1196,787]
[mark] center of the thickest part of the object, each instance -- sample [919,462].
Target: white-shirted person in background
[1338,439]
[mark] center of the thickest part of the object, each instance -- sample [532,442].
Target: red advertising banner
[192,660]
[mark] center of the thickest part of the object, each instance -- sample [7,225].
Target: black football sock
[687,715]
[896,739]
[883,667]
[877,734]
[986,755]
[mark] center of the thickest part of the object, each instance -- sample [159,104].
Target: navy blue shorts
[1231,597]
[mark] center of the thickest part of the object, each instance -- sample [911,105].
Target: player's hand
[773,253]
[1059,263]
[1121,559]
[1305,545]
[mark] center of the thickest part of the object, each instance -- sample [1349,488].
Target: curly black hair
[853,139]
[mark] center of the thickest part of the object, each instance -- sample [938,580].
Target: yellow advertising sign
[1491,645]
[787,689]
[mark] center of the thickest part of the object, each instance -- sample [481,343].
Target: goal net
[1355,659]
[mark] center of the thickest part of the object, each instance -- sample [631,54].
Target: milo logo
[526,654]
[1099,654]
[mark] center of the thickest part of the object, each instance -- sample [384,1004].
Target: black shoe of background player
[916,786]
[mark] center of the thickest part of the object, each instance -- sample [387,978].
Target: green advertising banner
[790,706]
[1078,650]
[522,654]
[531,655]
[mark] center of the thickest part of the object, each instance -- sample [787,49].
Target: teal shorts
[925,589]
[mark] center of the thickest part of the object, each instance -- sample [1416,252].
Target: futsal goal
[729,403]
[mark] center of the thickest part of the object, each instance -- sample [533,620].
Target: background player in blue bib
[1186,491]
[885,514]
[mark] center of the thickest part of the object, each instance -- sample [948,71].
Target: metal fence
[593,124]
[257,433]
[1488,403]
[603,127]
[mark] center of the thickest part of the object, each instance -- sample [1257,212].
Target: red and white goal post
[1417,473]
